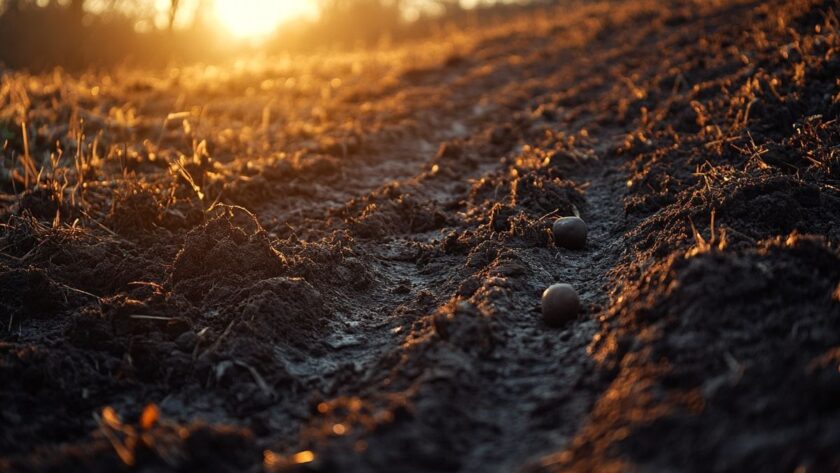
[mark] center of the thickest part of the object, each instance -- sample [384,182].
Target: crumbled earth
[334,263]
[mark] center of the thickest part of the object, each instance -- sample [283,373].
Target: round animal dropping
[560,305]
[569,232]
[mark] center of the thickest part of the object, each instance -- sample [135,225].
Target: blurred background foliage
[83,34]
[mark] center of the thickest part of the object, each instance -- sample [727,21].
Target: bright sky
[247,19]
[256,18]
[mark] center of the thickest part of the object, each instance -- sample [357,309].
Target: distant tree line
[39,34]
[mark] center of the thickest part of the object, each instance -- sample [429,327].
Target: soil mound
[231,249]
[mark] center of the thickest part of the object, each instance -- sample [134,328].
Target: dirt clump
[230,249]
[29,292]
[135,211]
[282,308]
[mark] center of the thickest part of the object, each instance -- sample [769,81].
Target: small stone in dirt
[569,232]
[186,341]
[404,287]
[560,304]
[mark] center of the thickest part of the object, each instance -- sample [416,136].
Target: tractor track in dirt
[541,382]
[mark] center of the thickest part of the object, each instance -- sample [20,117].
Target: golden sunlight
[255,18]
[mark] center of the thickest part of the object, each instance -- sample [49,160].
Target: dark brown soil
[335,263]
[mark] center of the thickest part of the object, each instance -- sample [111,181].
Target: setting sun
[255,18]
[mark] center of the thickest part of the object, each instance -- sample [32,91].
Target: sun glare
[256,18]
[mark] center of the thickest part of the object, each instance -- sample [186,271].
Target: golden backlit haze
[84,34]
[259,18]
